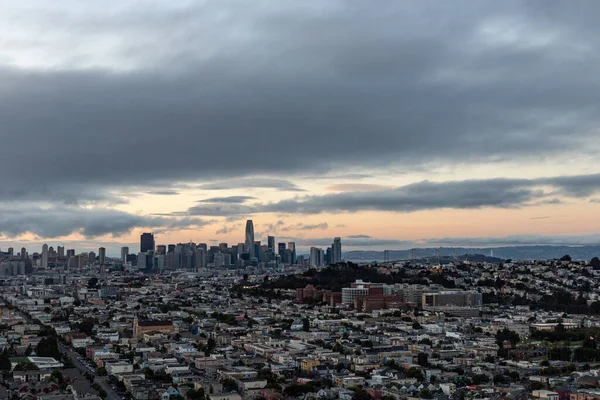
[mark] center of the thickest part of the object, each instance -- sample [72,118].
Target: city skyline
[462,125]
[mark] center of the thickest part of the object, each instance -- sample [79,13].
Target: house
[545,394]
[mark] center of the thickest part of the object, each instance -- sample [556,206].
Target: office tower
[161,249]
[317,256]
[142,260]
[292,248]
[45,256]
[132,259]
[281,250]
[265,253]
[218,260]
[249,243]
[11,251]
[91,258]
[386,255]
[124,254]
[171,248]
[61,251]
[70,253]
[203,246]
[223,247]
[146,242]
[102,255]
[328,256]
[23,253]
[200,258]
[271,243]
[256,249]
[337,250]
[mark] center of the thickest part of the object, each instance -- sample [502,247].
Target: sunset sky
[392,124]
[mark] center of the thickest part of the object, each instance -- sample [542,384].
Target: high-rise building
[23,253]
[256,250]
[91,259]
[292,249]
[70,253]
[317,257]
[11,251]
[161,249]
[336,250]
[146,242]
[45,256]
[102,255]
[271,243]
[61,251]
[200,258]
[249,243]
[281,251]
[124,254]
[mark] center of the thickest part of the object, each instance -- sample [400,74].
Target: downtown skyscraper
[249,243]
[146,242]
[336,248]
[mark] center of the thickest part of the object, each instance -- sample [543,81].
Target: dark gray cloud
[427,195]
[55,222]
[228,199]
[252,183]
[163,192]
[359,237]
[221,91]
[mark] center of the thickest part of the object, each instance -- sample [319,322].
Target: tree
[422,359]
[194,394]
[360,393]
[86,326]
[566,257]
[595,263]
[48,347]
[5,364]
[306,325]
[507,335]
[414,372]
[93,283]
[211,345]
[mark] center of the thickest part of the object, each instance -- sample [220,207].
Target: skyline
[392,127]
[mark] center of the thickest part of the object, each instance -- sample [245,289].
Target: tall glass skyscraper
[337,250]
[146,242]
[249,243]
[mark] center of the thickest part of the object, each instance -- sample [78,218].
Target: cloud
[303,227]
[427,195]
[348,242]
[290,88]
[54,222]
[359,237]
[349,187]
[545,217]
[228,199]
[163,192]
[251,183]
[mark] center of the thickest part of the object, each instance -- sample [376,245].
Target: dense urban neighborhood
[395,330]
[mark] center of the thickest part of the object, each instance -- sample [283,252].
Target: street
[86,369]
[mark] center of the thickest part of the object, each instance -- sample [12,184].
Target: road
[86,369]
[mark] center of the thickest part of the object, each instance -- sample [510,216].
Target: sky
[392,124]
